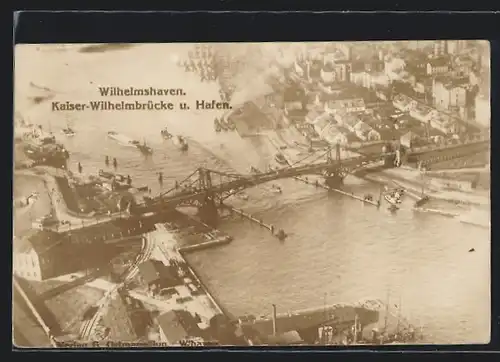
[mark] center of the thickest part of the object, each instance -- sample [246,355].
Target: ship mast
[386,311]
[399,316]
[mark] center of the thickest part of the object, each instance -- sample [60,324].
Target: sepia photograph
[251,194]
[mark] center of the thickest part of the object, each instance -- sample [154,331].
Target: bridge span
[201,189]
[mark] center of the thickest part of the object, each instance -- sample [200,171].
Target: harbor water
[338,249]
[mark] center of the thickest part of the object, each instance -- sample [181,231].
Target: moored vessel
[217,126]
[68,132]
[280,159]
[145,149]
[181,143]
[166,134]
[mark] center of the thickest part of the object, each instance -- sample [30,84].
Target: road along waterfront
[336,245]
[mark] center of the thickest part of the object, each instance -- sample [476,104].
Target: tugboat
[231,125]
[254,170]
[224,125]
[145,149]
[280,159]
[276,189]
[393,197]
[217,125]
[181,142]
[166,134]
[68,132]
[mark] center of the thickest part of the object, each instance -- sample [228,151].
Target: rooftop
[154,270]
[346,103]
[40,241]
[177,325]
[438,62]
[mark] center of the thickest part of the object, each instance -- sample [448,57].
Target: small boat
[223,124]
[276,189]
[231,125]
[122,139]
[166,134]
[181,142]
[68,132]
[242,196]
[254,170]
[280,159]
[106,175]
[217,126]
[392,200]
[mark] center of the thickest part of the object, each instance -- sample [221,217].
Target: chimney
[274,320]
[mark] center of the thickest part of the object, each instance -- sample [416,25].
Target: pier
[280,234]
[436,211]
[328,188]
[206,245]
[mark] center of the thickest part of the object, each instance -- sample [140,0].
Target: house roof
[119,319]
[438,62]
[410,136]
[313,114]
[40,241]
[362,126]
[340,104]
[177,325]
[422,110]
[351,137]
[350,120]
[321,124]
[402,100]
[171,327]
[293,93]
[154,270]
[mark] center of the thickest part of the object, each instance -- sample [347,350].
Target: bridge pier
[208,212]
[334,180]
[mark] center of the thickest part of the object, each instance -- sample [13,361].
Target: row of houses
[341,126]
[425,114]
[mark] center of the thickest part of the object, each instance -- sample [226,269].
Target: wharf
[169,250]
[334,315]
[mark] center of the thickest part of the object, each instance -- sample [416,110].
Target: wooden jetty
[280,233]
[349,194]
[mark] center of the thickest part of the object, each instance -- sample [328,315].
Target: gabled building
[347,120]
[366,133]
[449,93]
[178,326]
[335,135]
[423,113]
[40,255]
[438,66]
[446,126]
[157,275]
[355,105]
[403,102]
[313,115]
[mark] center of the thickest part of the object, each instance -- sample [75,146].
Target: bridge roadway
[196,196]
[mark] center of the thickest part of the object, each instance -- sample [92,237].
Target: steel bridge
[206,188]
